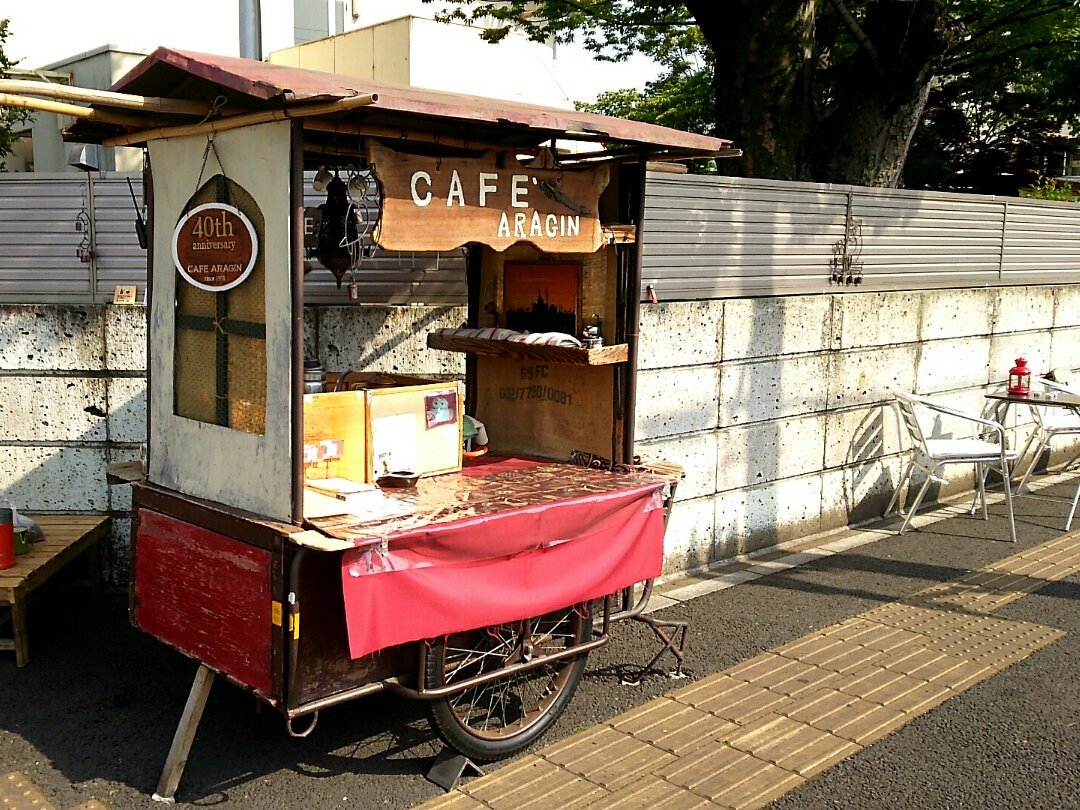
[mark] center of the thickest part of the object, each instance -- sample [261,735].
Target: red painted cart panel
[207,595]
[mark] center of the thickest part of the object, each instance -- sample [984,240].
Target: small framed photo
[542,296]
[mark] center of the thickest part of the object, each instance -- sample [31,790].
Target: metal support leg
[676,643]
[980,490]
[895,501]
[1072,509]
[1043,446]
[1008,501]
[918,499]
[185,735]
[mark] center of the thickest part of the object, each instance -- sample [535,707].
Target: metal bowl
[398,479]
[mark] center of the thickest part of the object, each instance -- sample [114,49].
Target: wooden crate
[416,427]
[365,431]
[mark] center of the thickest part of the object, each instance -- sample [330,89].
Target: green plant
[1052,188]
[10,117]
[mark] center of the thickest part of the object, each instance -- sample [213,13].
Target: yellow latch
[276,611]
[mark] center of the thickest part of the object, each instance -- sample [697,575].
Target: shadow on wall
[868,481]
[745,518]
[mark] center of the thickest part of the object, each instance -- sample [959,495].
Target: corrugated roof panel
[250,83]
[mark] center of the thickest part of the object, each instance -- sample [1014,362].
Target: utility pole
[250,29]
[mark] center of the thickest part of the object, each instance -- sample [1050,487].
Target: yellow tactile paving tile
[649,793]
[531,782]
[861,721]
[672,726]
[455,801]
[875,635]
[745,736]
[818,705]
[791,745]
[767,783]
[921,699]
[837,655]
[869,683]
[19,793]
[729,777]
[607,757]
[734,700]
[785,676]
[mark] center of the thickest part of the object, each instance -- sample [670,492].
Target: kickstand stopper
[449,767]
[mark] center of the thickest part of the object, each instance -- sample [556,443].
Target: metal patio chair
[1052,421]
[931,455]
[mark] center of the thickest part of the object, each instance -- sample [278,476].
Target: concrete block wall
[780,408]
[72,400]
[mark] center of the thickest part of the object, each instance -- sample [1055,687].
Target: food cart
[314,536]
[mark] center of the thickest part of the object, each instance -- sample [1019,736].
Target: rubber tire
[448,725]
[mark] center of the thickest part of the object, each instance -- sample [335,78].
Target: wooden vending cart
[264,548]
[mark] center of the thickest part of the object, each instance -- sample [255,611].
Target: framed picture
[542,297]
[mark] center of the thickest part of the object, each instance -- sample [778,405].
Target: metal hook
[215,108]
[311,727]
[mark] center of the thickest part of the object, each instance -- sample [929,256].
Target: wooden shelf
[619,234]
[604,356]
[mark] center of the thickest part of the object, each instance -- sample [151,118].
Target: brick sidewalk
[745,736]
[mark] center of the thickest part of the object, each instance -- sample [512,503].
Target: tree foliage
[10,117]
[995,122]
[829,90]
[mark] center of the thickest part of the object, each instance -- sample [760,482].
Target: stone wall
[72,400]
[779,408]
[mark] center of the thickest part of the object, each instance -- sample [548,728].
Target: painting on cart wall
[542,297]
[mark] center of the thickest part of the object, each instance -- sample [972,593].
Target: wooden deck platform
[67,537]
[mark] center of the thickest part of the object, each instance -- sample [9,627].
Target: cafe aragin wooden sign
[215,247]
[441,203]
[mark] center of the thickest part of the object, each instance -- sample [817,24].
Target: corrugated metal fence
[723,237]
[39,247]
[705,237]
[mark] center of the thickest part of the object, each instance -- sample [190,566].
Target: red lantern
[1020,377]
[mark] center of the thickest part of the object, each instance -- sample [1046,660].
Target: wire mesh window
[220,356]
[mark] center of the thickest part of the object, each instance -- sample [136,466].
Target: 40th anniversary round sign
[215,247]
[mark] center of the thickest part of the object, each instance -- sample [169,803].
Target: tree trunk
[870,145]
[762,81]
[774,101]
[880,94]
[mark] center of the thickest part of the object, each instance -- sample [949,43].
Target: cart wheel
[502,717]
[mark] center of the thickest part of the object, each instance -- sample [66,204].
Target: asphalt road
[93,714]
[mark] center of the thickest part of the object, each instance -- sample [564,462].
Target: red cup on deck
[7,539]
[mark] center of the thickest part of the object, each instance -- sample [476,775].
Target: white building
[392,40]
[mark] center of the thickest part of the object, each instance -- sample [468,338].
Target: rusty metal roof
[249,85]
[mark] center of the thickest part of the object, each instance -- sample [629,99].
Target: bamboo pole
[62,108]
[249,119]
[105,98]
